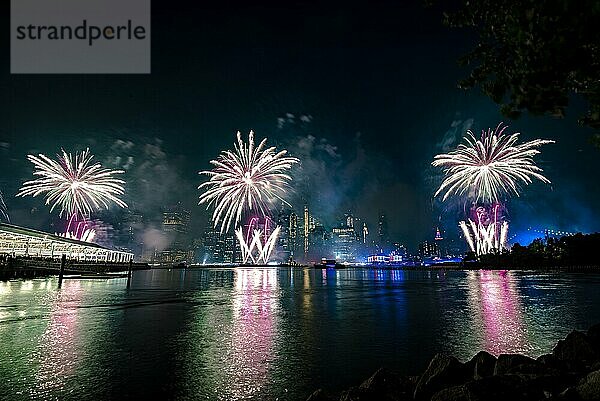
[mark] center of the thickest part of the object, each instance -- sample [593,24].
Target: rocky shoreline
[570,373]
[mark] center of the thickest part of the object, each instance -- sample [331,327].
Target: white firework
[249,178]
[76,185]
[488,168]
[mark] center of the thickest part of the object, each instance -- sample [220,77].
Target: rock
[443,371]
[501,388]
[589,387]
[319,395]
[353,394]
[550,361]
[593,334]
[361,394]
[483,364]
[570,394]
[552,384]
[575,347]
[455,393]
[386,385]
[491,388]
[516,363]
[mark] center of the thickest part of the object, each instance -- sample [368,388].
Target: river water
[268,334]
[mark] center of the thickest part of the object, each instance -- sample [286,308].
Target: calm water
[269,334]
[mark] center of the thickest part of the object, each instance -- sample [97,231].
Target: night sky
[363,93]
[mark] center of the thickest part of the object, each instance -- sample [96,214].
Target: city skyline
[357,154]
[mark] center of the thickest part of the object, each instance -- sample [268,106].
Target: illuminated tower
[438,240]
[306,230]
[293,229]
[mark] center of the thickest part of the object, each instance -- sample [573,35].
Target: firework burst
[248,178]
[76,185]
[488,168]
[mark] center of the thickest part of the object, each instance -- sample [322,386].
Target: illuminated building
[306,231]
[382,232]
[345,240]
[440,243]
[428,249]
[175,226]
[214,245]
[25,242]
[294,234]
[349,220]
[284,243]
[231,249]
[381,259]
[318,241]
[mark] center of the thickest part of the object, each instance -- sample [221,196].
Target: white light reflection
[57,353]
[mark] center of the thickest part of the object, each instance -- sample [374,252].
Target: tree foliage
[575,250]
[532,55]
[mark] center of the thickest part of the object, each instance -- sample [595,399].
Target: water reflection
[263,334]
[496,310]
[253,328]
[57,353]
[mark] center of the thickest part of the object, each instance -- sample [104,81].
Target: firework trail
[248,178]
[488,168]
[76,185]
[3,209]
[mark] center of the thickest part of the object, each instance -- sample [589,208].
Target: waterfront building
[16,241]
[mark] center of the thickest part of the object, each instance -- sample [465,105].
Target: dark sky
[364,92]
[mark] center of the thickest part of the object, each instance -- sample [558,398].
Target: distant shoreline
[41,269]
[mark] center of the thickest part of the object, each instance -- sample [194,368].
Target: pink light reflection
[501,313]
[253,331]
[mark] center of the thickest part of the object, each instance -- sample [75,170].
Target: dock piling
[129,273]
[63,262]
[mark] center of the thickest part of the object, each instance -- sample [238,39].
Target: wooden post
[63,261]
[129,273]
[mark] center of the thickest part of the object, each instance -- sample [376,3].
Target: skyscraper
[214,245]
[382,233]
[306,231]
[175,225]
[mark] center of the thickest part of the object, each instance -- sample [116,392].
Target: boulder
[552,384]
[483,365]
[501,388]
[589,387]
[386,385]
[455,393]
[575,347]
[491,388]
[570,394]
[593,334]
[319,395]
[516,363]
[354,394]
[443,371]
